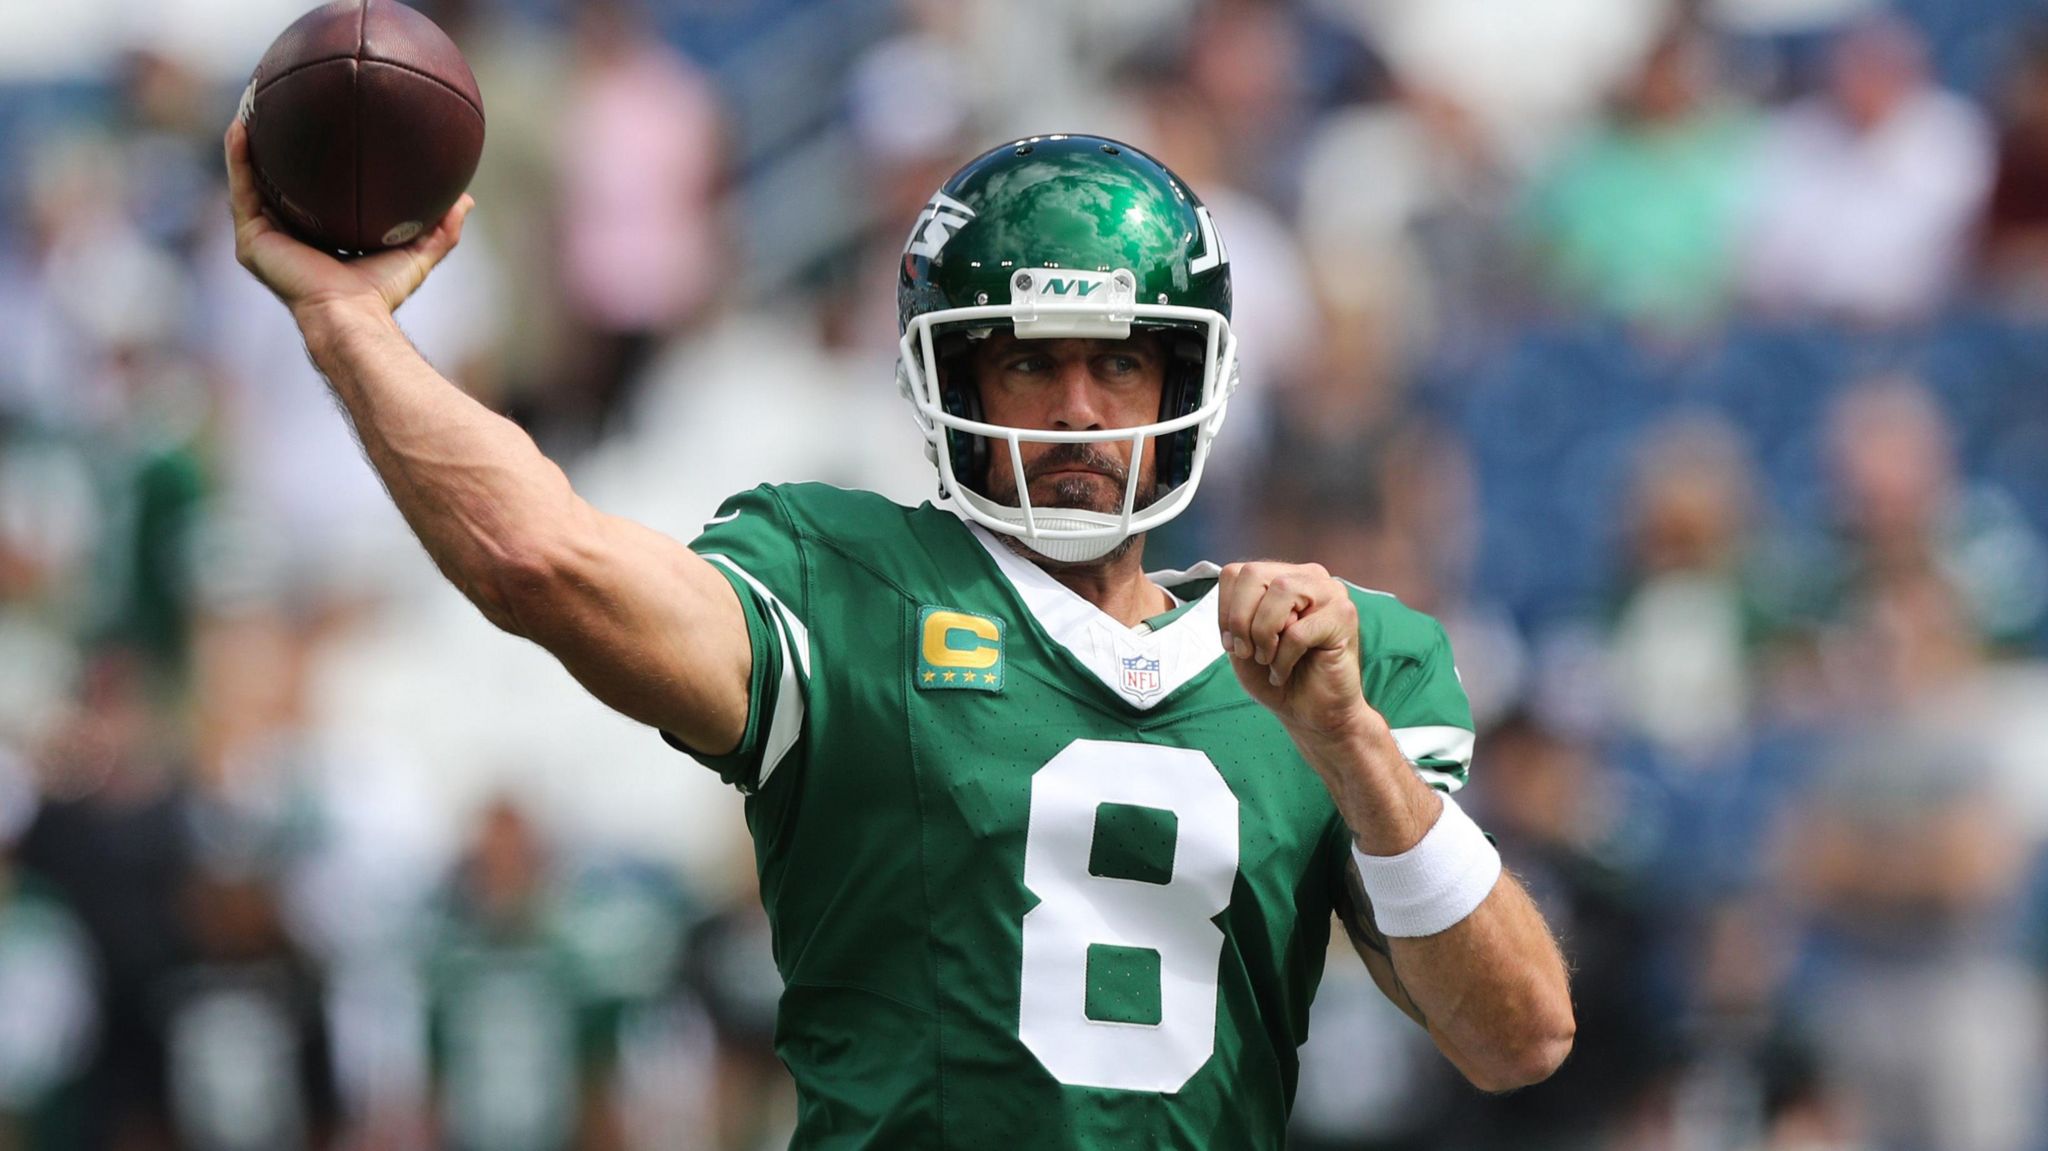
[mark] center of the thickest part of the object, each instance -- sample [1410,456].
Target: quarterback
[1050,846]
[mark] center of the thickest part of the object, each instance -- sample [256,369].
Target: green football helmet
[1064,237]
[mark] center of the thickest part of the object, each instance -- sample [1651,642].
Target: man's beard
[1078,492]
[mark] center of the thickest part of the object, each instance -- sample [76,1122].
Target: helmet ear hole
[1179,395]
[960,396]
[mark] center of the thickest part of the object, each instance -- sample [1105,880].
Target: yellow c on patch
[958,649]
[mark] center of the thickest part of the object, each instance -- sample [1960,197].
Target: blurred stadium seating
[268,786]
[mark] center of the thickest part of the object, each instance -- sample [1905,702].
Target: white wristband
[1436,883]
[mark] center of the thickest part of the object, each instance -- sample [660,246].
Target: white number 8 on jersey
[1078,909]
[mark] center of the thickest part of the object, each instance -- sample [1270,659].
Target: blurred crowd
[1688,358]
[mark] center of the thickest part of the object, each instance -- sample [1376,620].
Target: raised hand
[1291,631]
[303,276]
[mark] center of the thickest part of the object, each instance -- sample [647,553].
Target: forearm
[1385,804]
[1492,987]
[1492,990]
[472,486]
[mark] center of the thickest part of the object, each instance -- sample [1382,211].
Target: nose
[1076,397]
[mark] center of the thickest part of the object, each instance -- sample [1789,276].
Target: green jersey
[1036,879]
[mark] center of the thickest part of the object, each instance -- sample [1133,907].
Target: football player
[1050,845]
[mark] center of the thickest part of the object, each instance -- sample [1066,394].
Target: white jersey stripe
[1443,781]
[1438,742]
[788,720]
[1435,742]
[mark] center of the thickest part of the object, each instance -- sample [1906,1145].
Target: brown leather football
[365,125]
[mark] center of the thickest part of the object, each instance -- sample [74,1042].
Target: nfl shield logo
[1141,677]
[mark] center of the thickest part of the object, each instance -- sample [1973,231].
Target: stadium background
[1690,360]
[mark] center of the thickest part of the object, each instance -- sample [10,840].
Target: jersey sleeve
[1416,687]
[754,544]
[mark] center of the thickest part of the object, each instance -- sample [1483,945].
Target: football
[365,125]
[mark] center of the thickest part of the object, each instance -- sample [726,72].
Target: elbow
[526,587]
[1529,1059]
[1539,1060]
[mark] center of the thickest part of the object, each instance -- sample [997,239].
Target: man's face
[1071,385]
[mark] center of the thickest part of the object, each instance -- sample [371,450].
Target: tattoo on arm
[1414,1009]
[1355,912]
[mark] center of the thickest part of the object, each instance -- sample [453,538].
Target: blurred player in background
[1038,869]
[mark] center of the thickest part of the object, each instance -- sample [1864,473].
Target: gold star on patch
[949,677]
[930,676]
[988,677]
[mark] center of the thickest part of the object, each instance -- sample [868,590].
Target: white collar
[1142,664]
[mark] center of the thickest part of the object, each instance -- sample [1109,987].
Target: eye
[1120,365]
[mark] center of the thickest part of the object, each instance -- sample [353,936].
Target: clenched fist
[1291,631]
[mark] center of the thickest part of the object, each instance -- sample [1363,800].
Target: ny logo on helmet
[941,217]
[1081,288]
